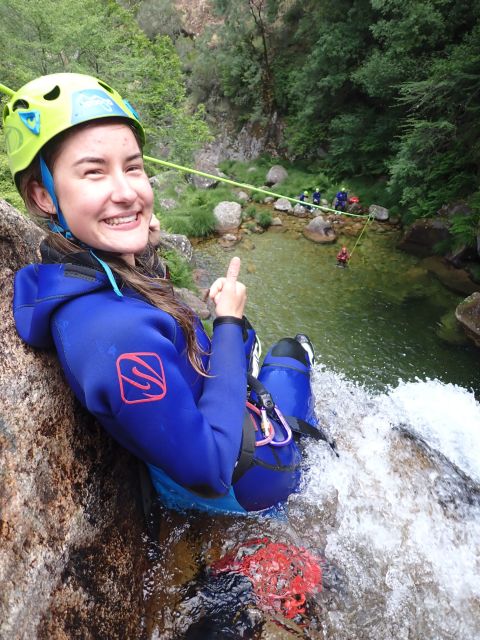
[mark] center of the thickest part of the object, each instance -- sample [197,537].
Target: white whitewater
[397,514]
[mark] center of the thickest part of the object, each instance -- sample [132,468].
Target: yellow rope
[369,220]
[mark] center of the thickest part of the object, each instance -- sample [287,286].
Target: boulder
[320,230]
[421,237]
[276,174]
[228,217]
[300,211]
[200,306]
[282,204]
[468,315]
[71,527]
[176,242]
[379,213]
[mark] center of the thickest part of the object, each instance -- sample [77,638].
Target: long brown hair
[143,277]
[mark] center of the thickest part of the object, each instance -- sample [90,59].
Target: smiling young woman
[134,355]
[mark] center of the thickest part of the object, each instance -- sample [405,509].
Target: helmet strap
[62,226]
[47,180]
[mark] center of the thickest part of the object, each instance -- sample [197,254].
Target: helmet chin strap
[62,225]
[47,180]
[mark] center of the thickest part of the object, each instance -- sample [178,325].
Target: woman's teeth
[122,220]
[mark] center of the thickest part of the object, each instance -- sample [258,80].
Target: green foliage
[264,219]
[464,229]
[387,88]
[101,38]
[180,271]
[8,191]
[250,212]
[194,216]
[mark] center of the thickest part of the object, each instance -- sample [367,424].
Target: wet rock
[320,230]
[456,280]
[276,222]
[421,237]
[228,216]
[71,555]
[276,174]
[468,315]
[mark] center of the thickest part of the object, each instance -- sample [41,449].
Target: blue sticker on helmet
[93,103]
[31,119]
[129,106]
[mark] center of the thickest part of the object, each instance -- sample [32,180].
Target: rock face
[71,523]
[468,315]
[421,237]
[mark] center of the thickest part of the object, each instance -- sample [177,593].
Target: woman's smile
[103,190]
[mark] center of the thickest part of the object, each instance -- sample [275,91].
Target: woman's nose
[122,190]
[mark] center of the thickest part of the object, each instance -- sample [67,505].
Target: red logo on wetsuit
[141,377]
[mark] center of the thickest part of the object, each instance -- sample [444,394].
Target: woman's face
[103,190]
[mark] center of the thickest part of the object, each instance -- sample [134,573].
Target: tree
[101,38]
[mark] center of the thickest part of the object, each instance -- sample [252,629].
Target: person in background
[303,198]
[343,257]
[213,437]
[316,196]
[341,200]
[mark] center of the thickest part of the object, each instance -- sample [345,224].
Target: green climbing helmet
[305,193]
[51,104]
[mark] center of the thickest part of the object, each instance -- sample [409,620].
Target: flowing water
[394,520]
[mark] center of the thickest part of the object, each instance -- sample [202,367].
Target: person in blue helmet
[341,199]
[213,436]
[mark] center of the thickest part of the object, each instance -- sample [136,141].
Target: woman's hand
[154,231]
[229,295]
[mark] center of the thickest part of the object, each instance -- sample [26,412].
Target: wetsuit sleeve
[139,384]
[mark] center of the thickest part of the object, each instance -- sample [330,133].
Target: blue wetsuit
[126,362]
[342,198]
[316,196]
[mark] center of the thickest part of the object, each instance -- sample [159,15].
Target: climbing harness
[282,575]
[260,403]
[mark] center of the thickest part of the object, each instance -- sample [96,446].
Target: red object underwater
[281,575]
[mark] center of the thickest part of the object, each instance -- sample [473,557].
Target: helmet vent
[105,86]
[6,112]
[53,94]
[20,104]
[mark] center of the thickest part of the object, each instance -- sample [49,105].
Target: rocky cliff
[71,522]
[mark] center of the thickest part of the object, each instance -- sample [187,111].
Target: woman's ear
[40,197]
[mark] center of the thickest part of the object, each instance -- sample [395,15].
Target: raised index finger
[233,268]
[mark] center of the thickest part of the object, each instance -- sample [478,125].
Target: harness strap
[302,428]
[247,450]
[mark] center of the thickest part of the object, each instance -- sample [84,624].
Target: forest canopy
[101,38]
[389,88]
